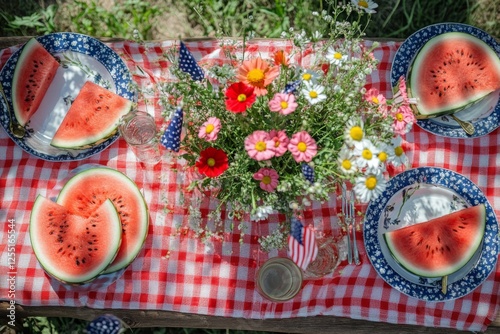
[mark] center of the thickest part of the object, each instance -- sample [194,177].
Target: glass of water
[279,279]
[326,261]
[138,128]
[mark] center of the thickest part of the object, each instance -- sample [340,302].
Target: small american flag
[188,64]
[302,247]
[171,138]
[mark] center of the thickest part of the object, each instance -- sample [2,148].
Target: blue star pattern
[171,138]
[292,87]
[308,172]
[297,230]
[105,324]
[188,64]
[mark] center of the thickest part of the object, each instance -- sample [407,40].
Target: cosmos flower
[268,178]
[283,103]
[212,162]
[280,140]
[403,119]
[210,129]
[239,97]
[257,74]
[302,146]
[260,146]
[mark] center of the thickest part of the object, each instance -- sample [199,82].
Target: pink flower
[302,146]
[268,179]
[209,129]
[259,146]
[283,103]
[280,140]
[373,96]
[403,119]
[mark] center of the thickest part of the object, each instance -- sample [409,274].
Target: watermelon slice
[92,118]
[451,72]
[71,248]
[88,189]
[440,246]
[35,70]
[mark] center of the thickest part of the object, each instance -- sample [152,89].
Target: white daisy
[354,132]
[367,5]
[345,161]
[368,155]
[397,156]
[314,93]
[368,187]
[310,77]
[335,57]
[384,152]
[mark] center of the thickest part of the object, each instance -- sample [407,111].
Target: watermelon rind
[424,112]
[448,268]
[87,184]
[39,230]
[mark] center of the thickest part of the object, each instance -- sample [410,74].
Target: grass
[161,19]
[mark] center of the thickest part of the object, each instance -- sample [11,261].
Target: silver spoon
[15,128]
[467,126]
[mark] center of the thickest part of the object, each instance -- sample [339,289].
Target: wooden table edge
[157,318]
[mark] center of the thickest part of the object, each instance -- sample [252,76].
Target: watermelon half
[92,118]
[88,189]
[71,248]
[451,72]
[35,70]
[440,246]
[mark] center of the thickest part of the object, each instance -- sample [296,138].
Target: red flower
[213,162]
[239,97]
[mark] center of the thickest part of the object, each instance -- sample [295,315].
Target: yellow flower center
[337,55]
[255,76]
[306,76]
[367,154]
[260,146]
[242,98]
[382,156]
[371,182]
[346,164]
[209,128]
[399,151]
[211,162]
[375,100]
[266,179]
[276,142]
[313,94]
[356,133]
[363,4]
[302,147]
[284,104]
[399,117]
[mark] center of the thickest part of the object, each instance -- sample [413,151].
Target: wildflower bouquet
[272,133]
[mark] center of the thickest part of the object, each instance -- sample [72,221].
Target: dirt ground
[172,22]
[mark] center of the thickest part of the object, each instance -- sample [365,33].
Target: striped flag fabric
[302,247]
[171,138]
[188,64]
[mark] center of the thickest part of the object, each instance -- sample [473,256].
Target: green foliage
[125,20]
[40,21]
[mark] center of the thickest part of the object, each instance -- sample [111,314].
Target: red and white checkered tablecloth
[177,272]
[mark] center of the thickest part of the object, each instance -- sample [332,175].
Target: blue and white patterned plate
[418,195]
[82,58]
[485,115]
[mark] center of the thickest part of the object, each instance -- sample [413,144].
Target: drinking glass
[138,128]
[326,261]
[279,279]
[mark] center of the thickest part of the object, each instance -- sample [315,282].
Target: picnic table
[177,281]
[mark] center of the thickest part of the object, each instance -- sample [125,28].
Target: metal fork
[350,219]
[346,214]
